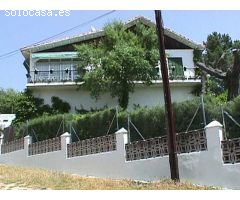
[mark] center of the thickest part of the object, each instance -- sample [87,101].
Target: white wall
[205,167]
[6,120]
[187,58]
[143,95]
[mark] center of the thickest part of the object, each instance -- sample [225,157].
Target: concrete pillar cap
[214,124]
[122,130]
[66,134]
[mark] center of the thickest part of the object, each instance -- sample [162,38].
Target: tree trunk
[232,77]
[232,81]
[123,96]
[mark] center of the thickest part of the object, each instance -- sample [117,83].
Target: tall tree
[222,60]
[120,59]
[23,104]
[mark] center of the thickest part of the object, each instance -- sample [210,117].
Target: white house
[6,120]
[51,71]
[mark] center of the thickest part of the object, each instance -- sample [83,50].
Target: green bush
[233,108]
[149,121]
[59,106]
[93,124]
[44,127]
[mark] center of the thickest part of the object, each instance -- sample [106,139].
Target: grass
[12,177]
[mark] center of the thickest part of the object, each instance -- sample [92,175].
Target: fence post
[27,141]
[122,139]
[65,140]
[1,142]
[214,135]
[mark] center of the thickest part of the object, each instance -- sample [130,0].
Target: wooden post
[173,160]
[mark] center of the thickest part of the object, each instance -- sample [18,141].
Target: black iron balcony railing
[67,75]
[52,76]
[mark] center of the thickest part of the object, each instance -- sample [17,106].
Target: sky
[20,31]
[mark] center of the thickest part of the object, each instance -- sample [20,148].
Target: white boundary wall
[205,167]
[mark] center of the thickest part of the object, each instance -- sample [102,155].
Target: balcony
[65,73]
[185,74]
[52,76]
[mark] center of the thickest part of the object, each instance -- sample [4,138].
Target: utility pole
[173,160]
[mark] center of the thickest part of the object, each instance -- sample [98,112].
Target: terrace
[61,67]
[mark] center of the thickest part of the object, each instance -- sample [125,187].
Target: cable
[75,27]
[9,54]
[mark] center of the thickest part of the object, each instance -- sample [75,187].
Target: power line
[75,27]
[9,54]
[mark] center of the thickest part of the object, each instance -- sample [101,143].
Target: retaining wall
[202,167]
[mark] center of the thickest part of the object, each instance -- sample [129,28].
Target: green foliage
[232,107]
[93,124]
[149,121]
[23,104]
[59,106]
[183,114]
[8,99]
[44,127]
[197,90]
[218,99]
[197,55]
[219,56]
[27,107]
[120,59]
[216,45]
[215,86]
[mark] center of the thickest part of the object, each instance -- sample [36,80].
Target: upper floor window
[175,66]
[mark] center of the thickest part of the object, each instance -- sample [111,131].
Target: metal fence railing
[52,76]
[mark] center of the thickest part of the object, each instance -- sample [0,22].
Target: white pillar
[65,140]
[27,141]
[214,134]
[122,139]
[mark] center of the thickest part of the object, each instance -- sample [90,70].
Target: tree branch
[213,72]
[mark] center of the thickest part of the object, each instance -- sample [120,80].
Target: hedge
[44,127]
[149,121]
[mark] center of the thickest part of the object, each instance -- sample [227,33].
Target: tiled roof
[91,35]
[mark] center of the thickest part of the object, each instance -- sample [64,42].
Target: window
[176,67]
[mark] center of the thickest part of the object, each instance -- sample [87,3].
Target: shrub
[60,106]
[45,127]
[149,121]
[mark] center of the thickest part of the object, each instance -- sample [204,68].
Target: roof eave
[26,50]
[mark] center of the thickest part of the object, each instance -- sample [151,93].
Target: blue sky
[17,32]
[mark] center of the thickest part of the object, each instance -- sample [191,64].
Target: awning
[55,55]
